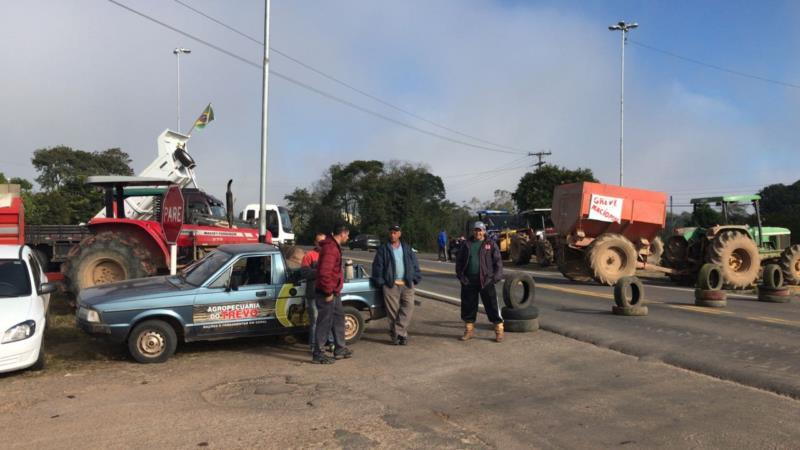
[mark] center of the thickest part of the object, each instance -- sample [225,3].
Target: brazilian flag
[205,118]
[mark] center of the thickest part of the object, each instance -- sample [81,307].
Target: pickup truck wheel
[353,324]
[152,341]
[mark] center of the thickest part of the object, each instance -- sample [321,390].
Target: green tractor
[740,250]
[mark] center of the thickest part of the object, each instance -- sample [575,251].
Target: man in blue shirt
[396,271]
[442,246]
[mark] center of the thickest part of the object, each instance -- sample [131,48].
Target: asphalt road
[749,342]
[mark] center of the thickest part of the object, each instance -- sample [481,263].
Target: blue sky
[527,74]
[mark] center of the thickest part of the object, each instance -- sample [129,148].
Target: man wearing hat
[479,267]
[396,271]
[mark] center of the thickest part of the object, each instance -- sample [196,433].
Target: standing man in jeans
[330,279]
[396,270]
[479,267]
[308,270]
[442,245]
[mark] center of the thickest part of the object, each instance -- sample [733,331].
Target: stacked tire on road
[519,314]
[709,291]
[629,297]
[772,289]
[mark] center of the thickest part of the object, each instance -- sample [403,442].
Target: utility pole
[177,52]
[262,214]
[541,156]
[625,27]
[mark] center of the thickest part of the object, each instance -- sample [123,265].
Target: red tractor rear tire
[104,258]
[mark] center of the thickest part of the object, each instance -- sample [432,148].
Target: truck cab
[278,221]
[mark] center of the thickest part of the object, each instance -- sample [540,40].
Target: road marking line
[699,309]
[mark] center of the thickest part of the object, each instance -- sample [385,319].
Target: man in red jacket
[330,279]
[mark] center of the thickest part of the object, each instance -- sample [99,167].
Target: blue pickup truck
[236,291]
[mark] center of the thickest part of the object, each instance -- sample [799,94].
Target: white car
[24,299]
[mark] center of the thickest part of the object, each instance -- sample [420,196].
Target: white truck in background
[278,221]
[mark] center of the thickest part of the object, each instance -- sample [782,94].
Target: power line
[715,67]
[309,87]
[344,83]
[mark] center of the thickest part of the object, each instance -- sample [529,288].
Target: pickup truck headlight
[19,332]
[88,315]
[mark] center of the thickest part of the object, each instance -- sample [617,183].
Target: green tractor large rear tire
[737,255]
[790,264]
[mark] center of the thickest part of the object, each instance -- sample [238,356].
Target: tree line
[368,195]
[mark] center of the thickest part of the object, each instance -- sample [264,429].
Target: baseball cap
[479,225]
[395,228]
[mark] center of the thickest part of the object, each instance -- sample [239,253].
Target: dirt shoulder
[535,390]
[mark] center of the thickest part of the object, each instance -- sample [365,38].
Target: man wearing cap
[479,267]
[396,271]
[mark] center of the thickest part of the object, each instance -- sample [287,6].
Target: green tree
[502,200]
[301,204]
[535,189]
[704,215]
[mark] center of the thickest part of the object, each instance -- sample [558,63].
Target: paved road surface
[750,342]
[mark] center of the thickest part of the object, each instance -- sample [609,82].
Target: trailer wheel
[738,257]
[790,264]
[544,252]
[105,258]
[773,276]
[656,251]
[572,264]
[611,257]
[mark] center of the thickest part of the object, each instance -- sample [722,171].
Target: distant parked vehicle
[365,242]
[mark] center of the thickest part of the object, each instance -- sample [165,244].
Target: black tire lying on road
[515,298]
[528,313]
[711,303]
[782,295]
[710,277]
[630,310]
[521,326]
[704,294]
[628,292]
[773,276]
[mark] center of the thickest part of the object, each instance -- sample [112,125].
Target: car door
[239,302]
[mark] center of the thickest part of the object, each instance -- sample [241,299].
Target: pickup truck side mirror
[47,288]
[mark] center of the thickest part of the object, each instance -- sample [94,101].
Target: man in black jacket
[396,271]
[479,267]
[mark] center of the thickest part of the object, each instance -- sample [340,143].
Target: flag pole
[262,214]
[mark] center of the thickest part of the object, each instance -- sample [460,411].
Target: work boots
[499,332]
[469,330]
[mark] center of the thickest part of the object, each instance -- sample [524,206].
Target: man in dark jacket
[330,313]
[479,267]
[396,270]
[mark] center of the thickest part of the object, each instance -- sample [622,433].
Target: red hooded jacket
[330,277]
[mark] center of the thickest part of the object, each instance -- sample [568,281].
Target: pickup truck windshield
[14,281]
[199,272]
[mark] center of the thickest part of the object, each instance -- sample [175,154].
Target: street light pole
[177,52]
[624,27]
[262,213]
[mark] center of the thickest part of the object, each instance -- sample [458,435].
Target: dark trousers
[469,301]
[443,252]
[329,314]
